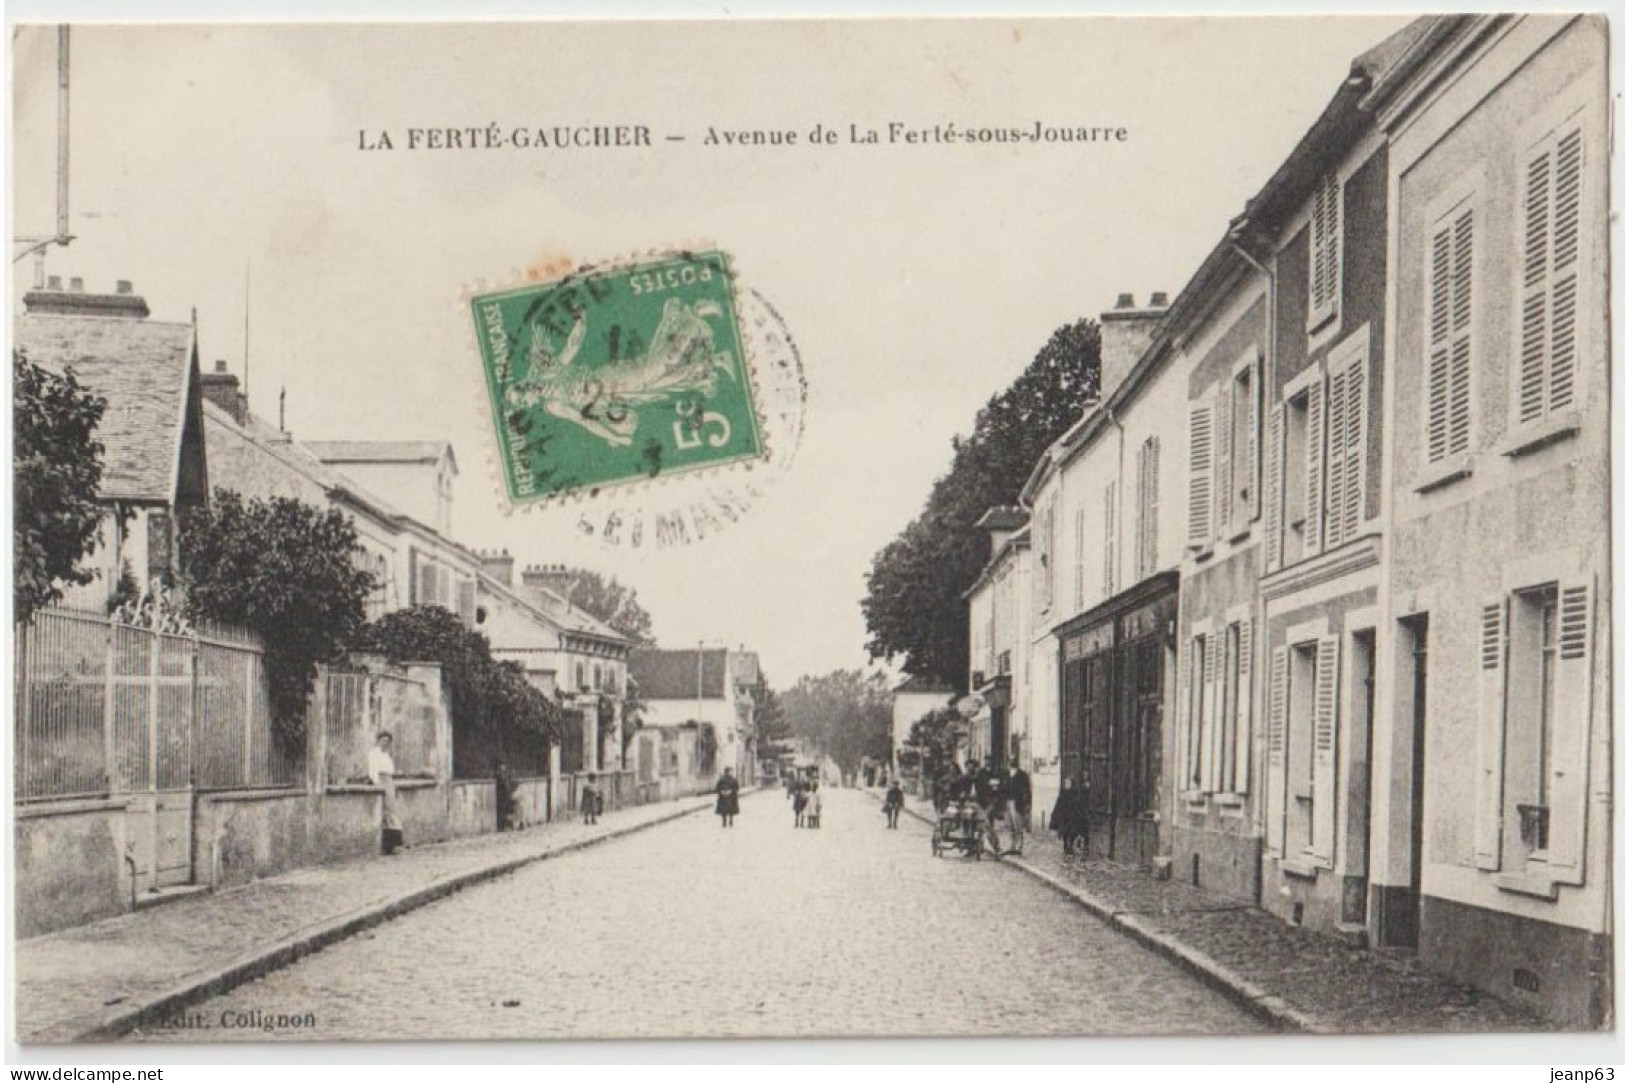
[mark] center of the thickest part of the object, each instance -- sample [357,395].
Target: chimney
[498,566]
[221,388]
[1125,332]
[552,577]
[53,300]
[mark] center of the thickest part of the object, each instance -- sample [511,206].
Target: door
[1098,779]
[1137,756]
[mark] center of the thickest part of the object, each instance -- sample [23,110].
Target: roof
[1340,124]
[696,674]
[569,617]
[146,371]
[1001,517]
[381,451]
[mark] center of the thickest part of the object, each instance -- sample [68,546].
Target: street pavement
[689,930]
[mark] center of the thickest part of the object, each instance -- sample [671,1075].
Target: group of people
[805,801]
[1005,799]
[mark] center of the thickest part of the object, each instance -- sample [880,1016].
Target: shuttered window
[1080,547]
[1199,517]
[1548,280]
[1147,482]
[1344,504]
[1323,769]
[1275,747]
[1108,545]
[1450,335]
[1325,250]
[465,601]
[1534,732]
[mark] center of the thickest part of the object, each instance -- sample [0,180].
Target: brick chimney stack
[498,565]
[223,389]
[53,300]
[1125,332]
[551,577]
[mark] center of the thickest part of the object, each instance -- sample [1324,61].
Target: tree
[610,601]
[915,606]
[772,728]
[286,570]
[935,737]
[845,715]
[495,713]
[57,474]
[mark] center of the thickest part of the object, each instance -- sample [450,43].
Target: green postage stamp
[615,375]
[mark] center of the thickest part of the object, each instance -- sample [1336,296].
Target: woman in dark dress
[1070,817]
[727,797]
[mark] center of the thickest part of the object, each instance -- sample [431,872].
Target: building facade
[1493,685]
[996,603]
[709,689]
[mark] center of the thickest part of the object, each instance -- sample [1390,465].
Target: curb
[263,960]
[1256,1000]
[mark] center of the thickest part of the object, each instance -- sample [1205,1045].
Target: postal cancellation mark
[615,375]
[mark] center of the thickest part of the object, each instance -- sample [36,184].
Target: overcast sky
[917,280]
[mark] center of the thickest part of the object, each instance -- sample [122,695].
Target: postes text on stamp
[615,375]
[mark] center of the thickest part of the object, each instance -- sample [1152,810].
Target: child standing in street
[893,805]
[591,802]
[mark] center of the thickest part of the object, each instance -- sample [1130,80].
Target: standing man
[381,769]
[894,804]
[991,798]
[1020,792]
[591,801]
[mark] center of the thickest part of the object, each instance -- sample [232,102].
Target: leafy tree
[57,473]
[915,606]
[495,713]
[935,737]
[287,570]
[610,601]
[845,715]
[772,727]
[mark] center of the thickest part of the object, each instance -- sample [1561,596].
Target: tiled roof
[144,369]
[692,674]
[569,617]
[379,451]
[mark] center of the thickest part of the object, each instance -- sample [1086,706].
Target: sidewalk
[99,981]
[1295,978]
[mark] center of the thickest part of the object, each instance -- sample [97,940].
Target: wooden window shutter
[465,601]
[1141,519]
[1199,520]
[412,578]
[1461,336]
[1212,709]
[1325,228]
[1255,418]
[1081,547]
[1151,502]
[1492,654]
[1185,724]
[1565,272]
[1440,286]
[1548,339]
[1336,456]
[1571,737]
[1276,796]
[1223,480]
[1352,508]
[1244,705]
[1323,845]
[1274,505]
[1108,548]
[1314,466]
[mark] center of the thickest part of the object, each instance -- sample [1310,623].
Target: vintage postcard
[811,528]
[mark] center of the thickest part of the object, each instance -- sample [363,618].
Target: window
[1147,479]
[1227,700]
[597,676]
[1044,546]
[1198,682]
[1534,732]
[465,600]
[1303,738]
[1449,295]
[1345,483]
[1199,517]
[581,676]
[1325,250]
[1548,285]
[1108,547]
[1296,466]
[1242,438]
[1079,546]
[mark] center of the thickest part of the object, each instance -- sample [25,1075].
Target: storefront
[1113,660]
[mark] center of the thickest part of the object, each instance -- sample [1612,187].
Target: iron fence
[104,707]
[360,705]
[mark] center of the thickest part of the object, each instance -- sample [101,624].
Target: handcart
[961,828]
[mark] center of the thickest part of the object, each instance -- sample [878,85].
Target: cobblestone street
[687,930]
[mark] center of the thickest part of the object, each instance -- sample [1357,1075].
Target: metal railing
[103,707]
[359,705]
